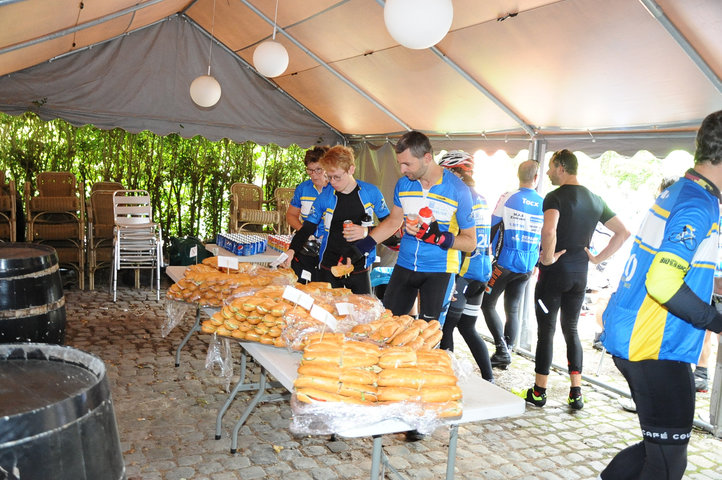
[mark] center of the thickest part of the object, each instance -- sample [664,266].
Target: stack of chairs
[8,210]
[137,240]
[100,227]
[247,208]
[56,217]
[283,197]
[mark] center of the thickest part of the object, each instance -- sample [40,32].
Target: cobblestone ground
[166,415]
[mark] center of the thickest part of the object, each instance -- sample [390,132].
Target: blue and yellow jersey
[477,265]
[303,197]
[676,248]
[323,209]
[520,213]
[450,201]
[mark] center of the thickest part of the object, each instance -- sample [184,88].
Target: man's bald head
[527,172]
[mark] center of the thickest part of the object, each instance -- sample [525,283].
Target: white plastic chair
[137,242]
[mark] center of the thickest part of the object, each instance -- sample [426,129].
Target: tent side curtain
[593,145]
[141,81]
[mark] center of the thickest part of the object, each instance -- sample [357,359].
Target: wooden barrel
[32,305]
[57,415]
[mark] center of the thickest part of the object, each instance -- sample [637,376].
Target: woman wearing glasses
[305,262]
[344,214]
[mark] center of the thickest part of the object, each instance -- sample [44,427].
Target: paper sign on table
[296,296]
[279,260]
[344,308]
[228,262]
[306,275]
[322,315]
[193,252]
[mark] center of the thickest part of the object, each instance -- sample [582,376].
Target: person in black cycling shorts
[571,213]
[655,322]
[430,249]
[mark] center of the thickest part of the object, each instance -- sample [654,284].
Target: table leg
[376,457]
[196,328]
[256,399]
[240,386]
[451,459]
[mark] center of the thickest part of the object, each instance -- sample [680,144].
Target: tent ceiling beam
[471,80]
[77,28]
[656,11]
[328,67]
[267,80]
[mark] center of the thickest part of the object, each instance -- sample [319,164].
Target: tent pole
[328,67]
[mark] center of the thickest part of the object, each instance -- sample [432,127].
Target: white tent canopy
[587,75]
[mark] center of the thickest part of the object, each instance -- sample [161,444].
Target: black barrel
[56,415]
[32,305]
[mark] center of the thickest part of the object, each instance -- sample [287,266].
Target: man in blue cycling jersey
[430,251]
[655,322]
[516,233]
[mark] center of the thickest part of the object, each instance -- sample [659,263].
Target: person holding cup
[344,214]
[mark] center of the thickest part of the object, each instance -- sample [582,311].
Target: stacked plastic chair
[138,242]
[8,210]
[56,217]
[101,223]
[247,208]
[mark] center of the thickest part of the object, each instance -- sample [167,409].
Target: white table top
[267,257]
[481,399]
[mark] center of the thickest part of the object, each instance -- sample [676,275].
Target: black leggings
[663,391]
[512,285]
[463,311]
[434,290]
[556,291]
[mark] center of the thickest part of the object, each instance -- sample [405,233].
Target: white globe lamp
[418,24]
[205,91]
[270,58]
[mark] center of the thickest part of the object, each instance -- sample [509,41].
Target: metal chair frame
[138,242]
[101,224]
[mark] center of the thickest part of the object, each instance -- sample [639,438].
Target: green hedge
[189,179]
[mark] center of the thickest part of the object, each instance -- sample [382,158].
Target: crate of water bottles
[280,243]
[242,244]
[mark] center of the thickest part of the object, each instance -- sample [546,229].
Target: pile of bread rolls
[263,315]
[400,330]
[208,285]
[336,369]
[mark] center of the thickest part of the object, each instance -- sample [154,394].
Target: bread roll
[314,395]
[397,359]
[440,394]
[405,336]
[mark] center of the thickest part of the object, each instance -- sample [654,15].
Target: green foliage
[189,179]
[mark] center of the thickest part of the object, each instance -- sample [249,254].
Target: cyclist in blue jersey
[352,201]
[429,252]
[515,234]
[655,322]
[305,261]
[475,271]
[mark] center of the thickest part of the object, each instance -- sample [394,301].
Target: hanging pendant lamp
[270,58]
[418,24]
[205,90]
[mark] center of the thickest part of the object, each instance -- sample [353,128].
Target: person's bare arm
[465,240]
[388,226]
[549,238]
[620,235]
[293,217]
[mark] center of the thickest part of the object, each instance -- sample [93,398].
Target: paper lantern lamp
[205,91]
[270,58]
[418,24]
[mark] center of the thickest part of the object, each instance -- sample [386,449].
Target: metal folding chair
[138,243]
